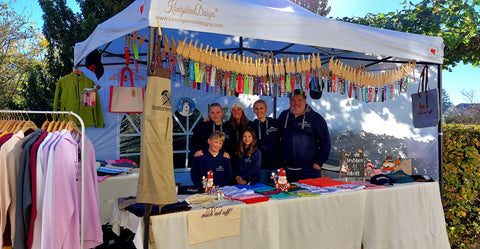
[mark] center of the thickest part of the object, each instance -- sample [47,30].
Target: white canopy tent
[257,26]
[275,20]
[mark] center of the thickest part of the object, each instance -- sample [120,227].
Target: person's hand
[317,167]
[206,119]
[198,153]
[226,155]
[240,180]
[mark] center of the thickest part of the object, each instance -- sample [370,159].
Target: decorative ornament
[369,169]
[208,183]
[220,195]
[281,180]
[186,106]
[388,165]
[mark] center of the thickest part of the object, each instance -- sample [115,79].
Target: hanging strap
[424,80]
[123,76]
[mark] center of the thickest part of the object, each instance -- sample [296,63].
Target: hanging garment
[68,97]
[9,153]
[156,183]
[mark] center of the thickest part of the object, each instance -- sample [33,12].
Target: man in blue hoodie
[305,140]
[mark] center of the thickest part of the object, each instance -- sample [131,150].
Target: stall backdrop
[283,28]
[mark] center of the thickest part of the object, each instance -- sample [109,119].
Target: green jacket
[68,97]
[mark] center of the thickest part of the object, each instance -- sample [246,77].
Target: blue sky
[463,77]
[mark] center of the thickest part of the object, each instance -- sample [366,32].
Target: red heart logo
[141,9]
[432,50]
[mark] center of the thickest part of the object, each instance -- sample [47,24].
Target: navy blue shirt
[219,165]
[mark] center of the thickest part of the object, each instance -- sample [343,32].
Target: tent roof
[271,20]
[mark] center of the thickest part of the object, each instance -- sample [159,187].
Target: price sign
[352,164]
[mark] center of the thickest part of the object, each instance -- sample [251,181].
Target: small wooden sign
[352,164]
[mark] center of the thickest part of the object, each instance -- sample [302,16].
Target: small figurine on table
[220,195]
[281,180]
[369,169]
[208,183]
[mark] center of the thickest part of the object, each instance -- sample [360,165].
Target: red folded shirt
[322,182]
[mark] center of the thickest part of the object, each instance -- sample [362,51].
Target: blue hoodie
[249,167]
[305,140]
[268,135]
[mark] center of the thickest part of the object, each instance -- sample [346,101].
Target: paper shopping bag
[126,99]
[425,108]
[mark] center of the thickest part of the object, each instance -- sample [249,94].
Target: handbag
[425,108]
[126,99]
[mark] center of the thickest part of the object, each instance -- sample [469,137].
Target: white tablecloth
[404,216]
[112,188]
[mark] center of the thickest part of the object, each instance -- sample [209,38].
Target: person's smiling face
[215,145]
[297,105]
[247,138]
[237,113]
[216,114]
[260,111]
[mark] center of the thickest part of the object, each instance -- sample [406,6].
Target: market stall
[284,29]
[267,32]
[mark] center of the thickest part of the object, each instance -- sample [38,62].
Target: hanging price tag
[251,85]
[288,86]
[127,55]
[233,80]
[213,73]
[229,78]
[88,96]
[282,84]
[307,79]
[197,72]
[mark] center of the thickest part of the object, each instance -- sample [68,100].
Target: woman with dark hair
[249,160]
[238,121]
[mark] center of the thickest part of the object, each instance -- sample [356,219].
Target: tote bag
[425,104]
[126,99]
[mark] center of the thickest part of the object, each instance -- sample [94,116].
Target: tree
[319,7]
[20,47]
[95,12]
[457,22]
[446,102]
[62,29]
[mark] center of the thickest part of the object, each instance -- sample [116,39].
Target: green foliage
[62,29]
[456,21]
[95,12]
[20,46]
[319,7]
[461,175]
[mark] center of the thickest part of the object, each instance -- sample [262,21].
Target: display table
[112,188]
[402,216]
[407,216]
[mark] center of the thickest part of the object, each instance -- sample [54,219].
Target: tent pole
[440,129]
[150,47]
[240,48]
[148,206]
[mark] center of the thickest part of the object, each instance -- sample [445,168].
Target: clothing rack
[82,124]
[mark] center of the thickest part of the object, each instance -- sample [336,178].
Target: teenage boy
[212,160]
